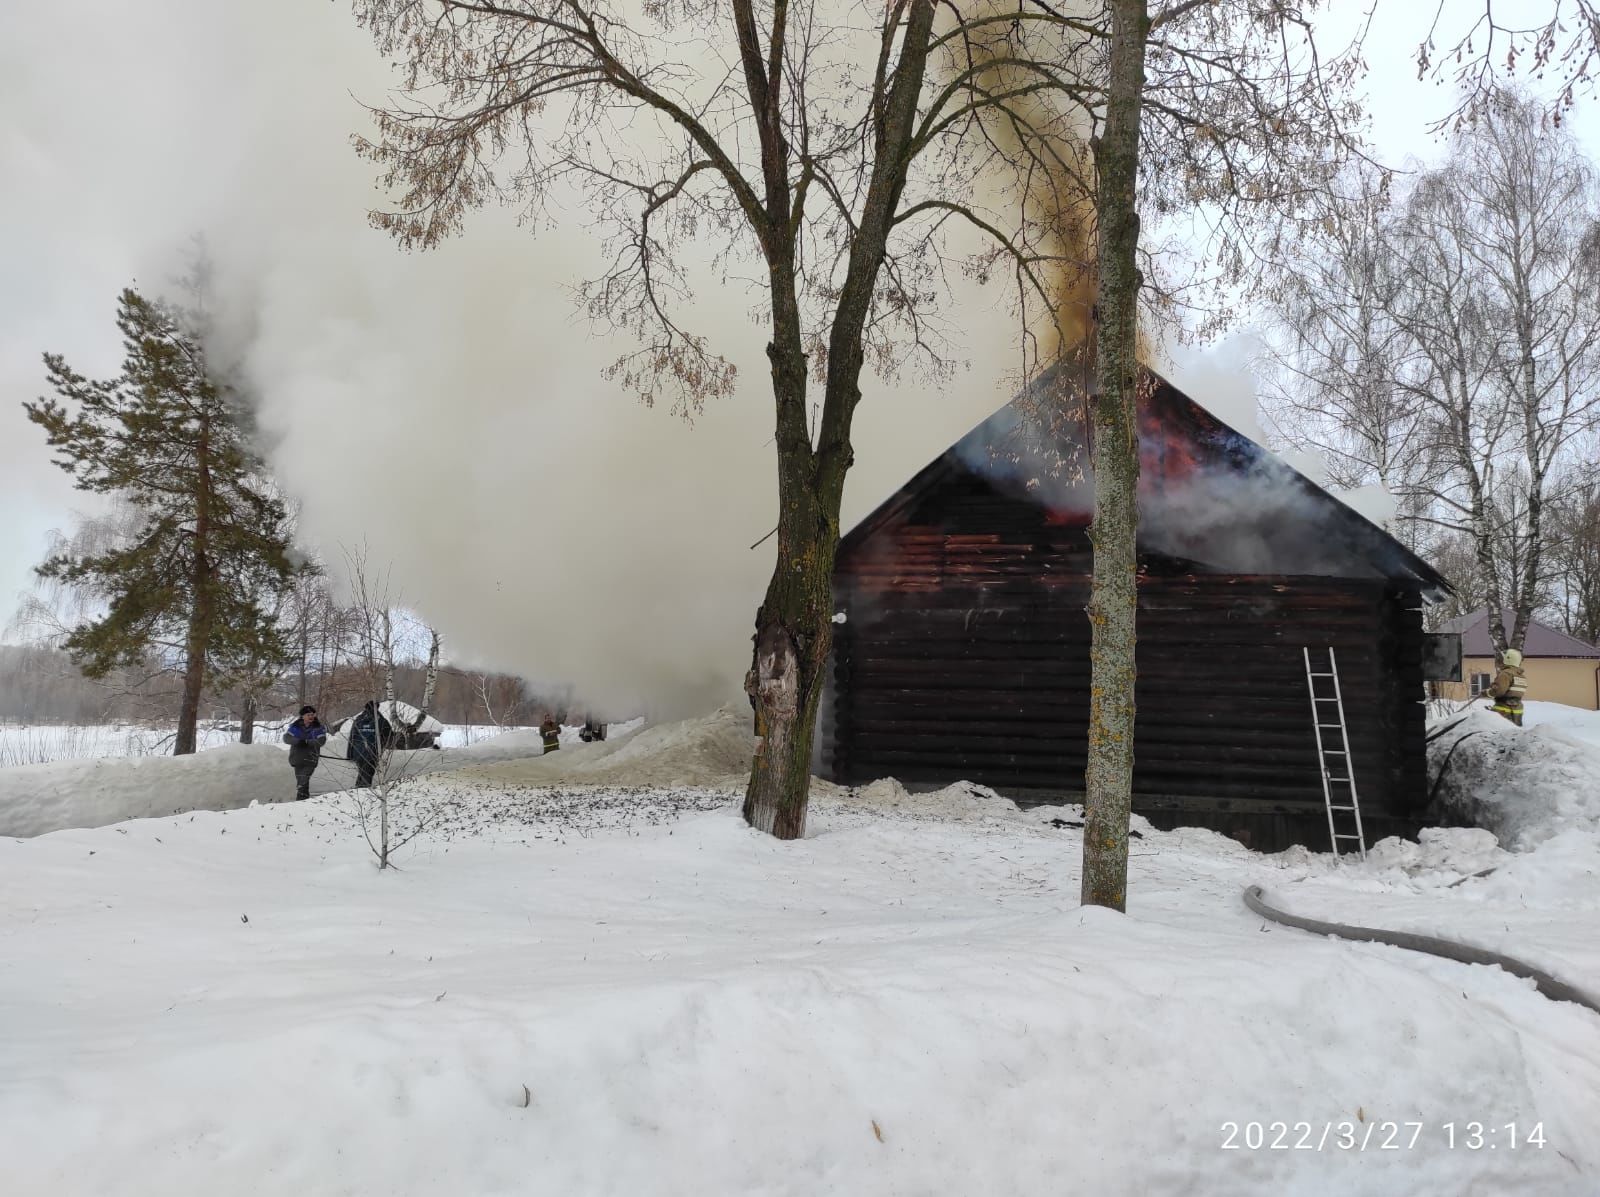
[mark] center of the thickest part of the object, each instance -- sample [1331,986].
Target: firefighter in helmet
[1508,686]
[550,733]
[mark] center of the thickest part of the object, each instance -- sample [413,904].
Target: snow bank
[1524,784]
[1461,851]
[35,799]
[664,1002]
[714,750]
[91,793]
[1574,722]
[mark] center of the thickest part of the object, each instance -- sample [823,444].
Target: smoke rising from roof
[1059,184]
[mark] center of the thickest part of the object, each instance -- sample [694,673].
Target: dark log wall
[965,656]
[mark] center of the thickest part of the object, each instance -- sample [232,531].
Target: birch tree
[1450,346]
[430,681]
[1502,303]
[1576,568]
[1336,349]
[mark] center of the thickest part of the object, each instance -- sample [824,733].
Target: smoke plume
[1051,169]
[443,413]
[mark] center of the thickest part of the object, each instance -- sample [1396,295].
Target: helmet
[1513,658]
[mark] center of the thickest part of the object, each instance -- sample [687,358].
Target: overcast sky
[125,128]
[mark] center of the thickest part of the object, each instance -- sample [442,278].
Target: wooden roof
[1207,492]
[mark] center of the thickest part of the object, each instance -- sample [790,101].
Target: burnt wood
[964,651]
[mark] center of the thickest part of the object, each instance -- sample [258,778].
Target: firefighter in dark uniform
[1508,686]
[550,733]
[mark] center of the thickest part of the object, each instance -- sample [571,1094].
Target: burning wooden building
[962,642]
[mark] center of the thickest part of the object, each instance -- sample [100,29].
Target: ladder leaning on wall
[1338,788]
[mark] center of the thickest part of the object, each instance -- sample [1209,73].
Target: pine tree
[197,579]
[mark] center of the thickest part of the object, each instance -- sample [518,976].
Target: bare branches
[1450,347]
[1563,45]
[726,122]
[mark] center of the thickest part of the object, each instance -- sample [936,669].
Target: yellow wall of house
[1550,679]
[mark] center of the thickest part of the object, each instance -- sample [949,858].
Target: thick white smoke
[445,411]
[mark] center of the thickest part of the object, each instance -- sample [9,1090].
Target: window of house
[1480,683]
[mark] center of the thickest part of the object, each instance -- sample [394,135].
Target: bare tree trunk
[383,826]
[483,696]
[430,682]
[200,615]
[325,672]
[1483,545]
[1114,598]
[793,637]
[305,651]
[794,628]
[194,678]
[388,659]
[247,720]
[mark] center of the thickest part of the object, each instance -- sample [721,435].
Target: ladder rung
[1330,779]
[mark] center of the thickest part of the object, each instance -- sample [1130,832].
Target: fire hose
[1553,988]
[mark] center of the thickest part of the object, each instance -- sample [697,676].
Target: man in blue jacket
[305,738]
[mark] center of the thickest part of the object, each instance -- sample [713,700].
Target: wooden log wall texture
[979,671]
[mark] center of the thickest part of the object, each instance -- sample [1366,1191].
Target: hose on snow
[1444,727]
[1444,766]
[1553,988]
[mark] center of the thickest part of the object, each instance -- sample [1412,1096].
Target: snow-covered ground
[1570,721]
[1524,784]
[901,1003]
[591,978]
[618,988]
[94,790]
[41,743]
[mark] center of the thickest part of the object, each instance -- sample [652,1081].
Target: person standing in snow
[305,738]
[550,733]
[1508,687]
[370,734]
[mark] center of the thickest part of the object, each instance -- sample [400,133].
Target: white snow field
[43,743]
[95,790]
[620,989]
[1569,721]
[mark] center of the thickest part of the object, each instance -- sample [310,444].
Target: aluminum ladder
[1338,789]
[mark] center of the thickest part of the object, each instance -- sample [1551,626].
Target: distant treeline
[41,685]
